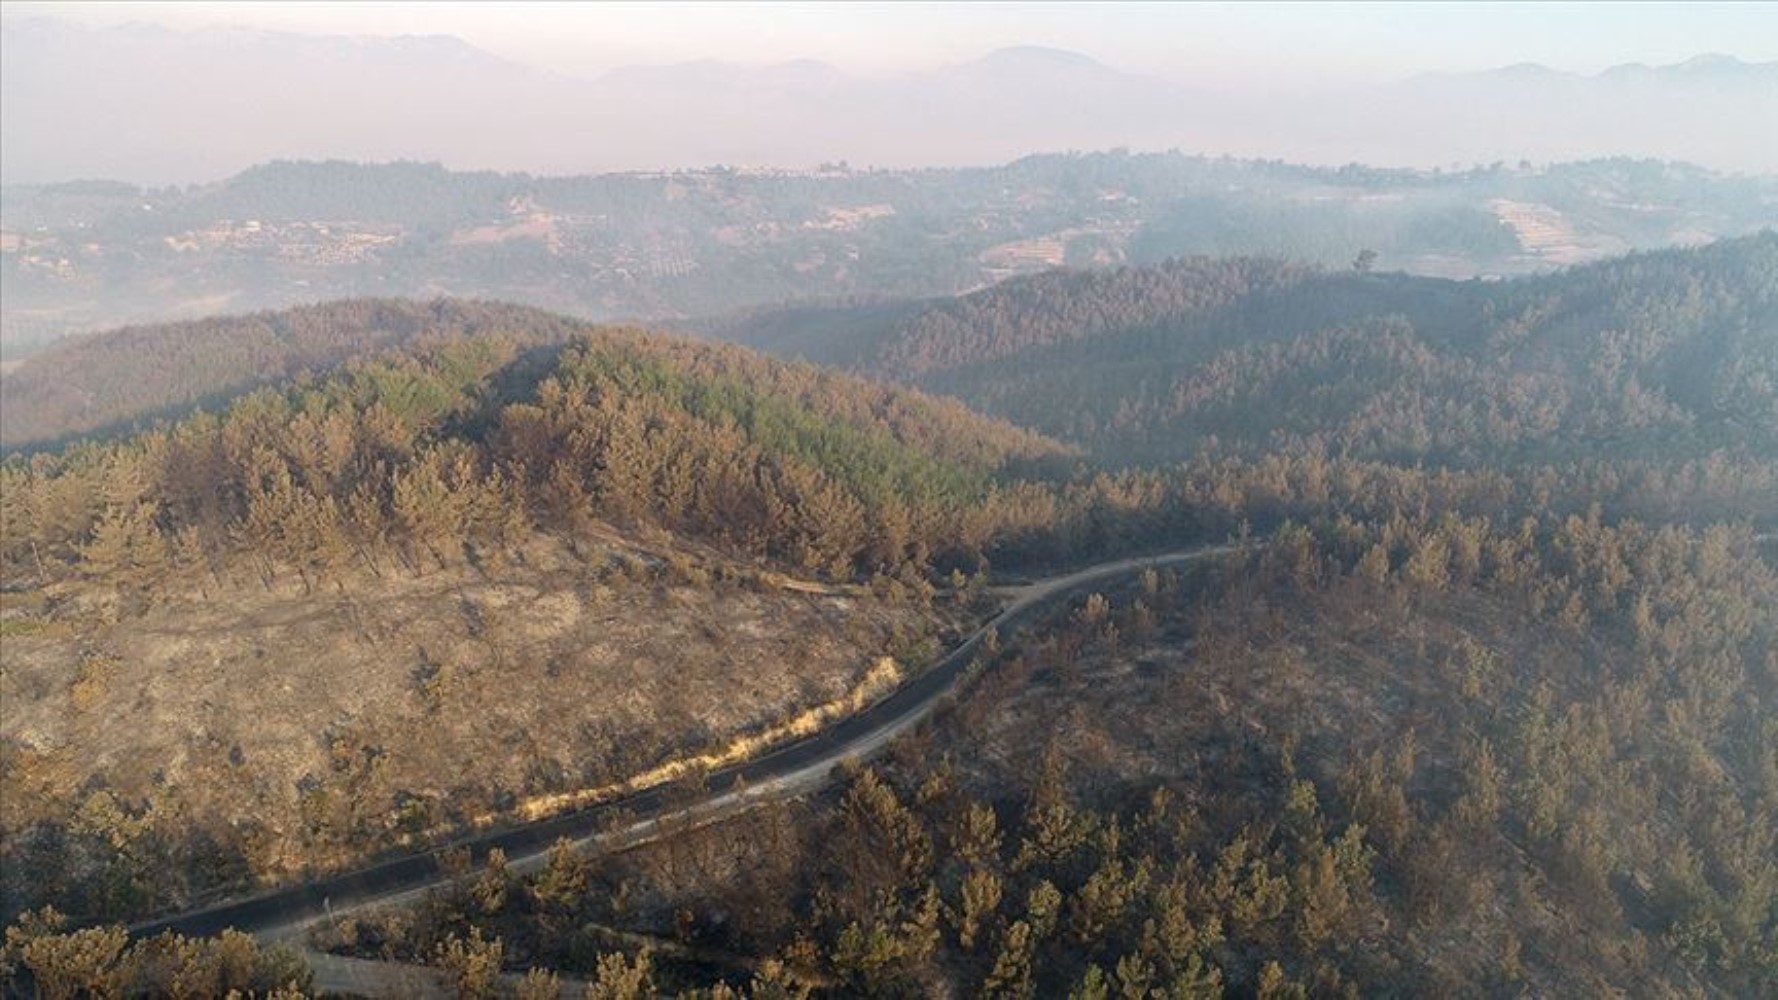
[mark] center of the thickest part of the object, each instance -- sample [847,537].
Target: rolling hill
[110,382]
[1500,640]
[1667,354]
[343,607]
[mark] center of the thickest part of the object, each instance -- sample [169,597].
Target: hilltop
[343,608]
[112,381]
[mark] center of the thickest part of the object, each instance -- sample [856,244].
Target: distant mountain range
[154,105]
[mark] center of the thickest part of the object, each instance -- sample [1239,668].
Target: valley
[660,246]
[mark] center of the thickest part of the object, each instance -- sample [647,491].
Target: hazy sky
[1198,42]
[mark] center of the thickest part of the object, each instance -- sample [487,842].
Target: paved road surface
[788,771]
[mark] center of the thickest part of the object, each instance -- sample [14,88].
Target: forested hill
[1656,355]
[1066,307]
[144,371]
[495,422]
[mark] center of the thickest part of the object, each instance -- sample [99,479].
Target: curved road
[788,771]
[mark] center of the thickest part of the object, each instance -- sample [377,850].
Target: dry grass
[400,705]
[878,682]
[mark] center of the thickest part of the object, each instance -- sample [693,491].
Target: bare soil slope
[307,729]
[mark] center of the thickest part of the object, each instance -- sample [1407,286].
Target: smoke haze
[151,104]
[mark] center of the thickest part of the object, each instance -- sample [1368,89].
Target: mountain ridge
[525,118]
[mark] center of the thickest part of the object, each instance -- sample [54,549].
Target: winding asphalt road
[788,771]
